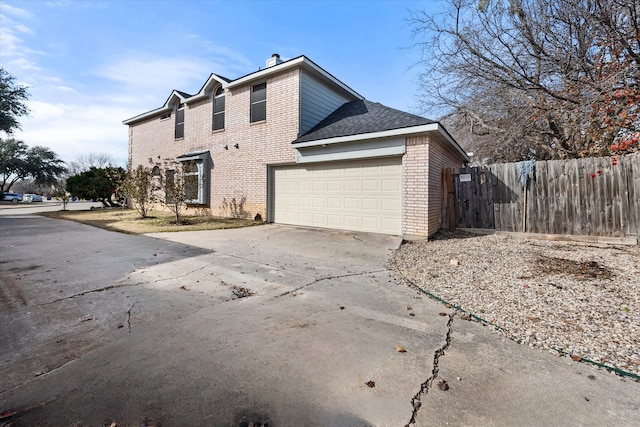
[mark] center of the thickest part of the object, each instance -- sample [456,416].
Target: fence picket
[591,196]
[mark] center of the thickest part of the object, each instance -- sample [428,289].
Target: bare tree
[141,188]
[541,79]
[60,192]
[179,189]
[84,162]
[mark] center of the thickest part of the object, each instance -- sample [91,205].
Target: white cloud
[66,89]
[77,4]
[71,130]
[145,80]
[15,11]
[23,29]
[155,72]
[13,50]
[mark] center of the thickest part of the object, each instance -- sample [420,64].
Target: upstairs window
[218,109]
[180,121]
[259,103]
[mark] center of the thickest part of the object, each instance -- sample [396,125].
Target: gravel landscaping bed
[580,298]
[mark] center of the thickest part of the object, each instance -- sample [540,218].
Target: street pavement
[269,325]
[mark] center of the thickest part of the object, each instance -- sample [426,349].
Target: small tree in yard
[140,186]
[178,191]
[61,193]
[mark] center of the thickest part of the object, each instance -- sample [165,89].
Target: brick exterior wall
[238,176]
[423,162]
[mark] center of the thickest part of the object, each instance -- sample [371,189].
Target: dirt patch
[241,292]
[129,221]
[577,269]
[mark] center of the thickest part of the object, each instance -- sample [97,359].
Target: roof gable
[262,74]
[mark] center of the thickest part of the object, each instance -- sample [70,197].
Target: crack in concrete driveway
[416,401]
[321,279]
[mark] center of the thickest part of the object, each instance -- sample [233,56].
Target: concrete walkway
[276,325]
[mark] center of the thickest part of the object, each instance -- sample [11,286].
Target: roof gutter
[166,107]
[402,132]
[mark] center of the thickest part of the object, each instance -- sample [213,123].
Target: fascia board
[297,62]
[203,91]
[372,135]
[453,142]
[260,75]
[146,115]
[404,132]
[162,109]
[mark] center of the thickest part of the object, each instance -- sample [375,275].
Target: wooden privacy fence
[591,196]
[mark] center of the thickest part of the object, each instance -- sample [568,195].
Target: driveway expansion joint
[416,401]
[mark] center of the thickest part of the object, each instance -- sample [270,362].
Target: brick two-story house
[292,144]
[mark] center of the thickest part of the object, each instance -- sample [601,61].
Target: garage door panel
[392,185]
[291,201]
[335,186]
[353,221]
[363,195]
[319,185]
[319,202]
[370,204]
[335,203]
[351,203]
[391,205]
[371,185]
[352,185]
[303,186]
[319,219]
[305,202]
[390,224]
[334,220]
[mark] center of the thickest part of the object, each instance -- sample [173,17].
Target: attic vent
[274,60]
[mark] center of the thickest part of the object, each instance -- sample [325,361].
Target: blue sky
[91,64]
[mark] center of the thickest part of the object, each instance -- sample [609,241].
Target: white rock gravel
[580,298]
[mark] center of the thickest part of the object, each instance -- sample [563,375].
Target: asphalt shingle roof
[359,117]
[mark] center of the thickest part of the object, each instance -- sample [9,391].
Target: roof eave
[208,85]
[146,115]
[164,108]
[301,61]
[404,132]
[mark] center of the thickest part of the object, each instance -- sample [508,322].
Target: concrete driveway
[266,325]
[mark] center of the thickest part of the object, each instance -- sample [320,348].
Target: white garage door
[363,195]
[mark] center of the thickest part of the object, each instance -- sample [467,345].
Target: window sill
[178,139]
[258,123]
[217,131]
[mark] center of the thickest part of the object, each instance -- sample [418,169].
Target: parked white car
[28,198]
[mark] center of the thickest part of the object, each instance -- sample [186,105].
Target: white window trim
[222,95]
[252,103]
[201,161]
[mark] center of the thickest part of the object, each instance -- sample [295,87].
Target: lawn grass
[129,221]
